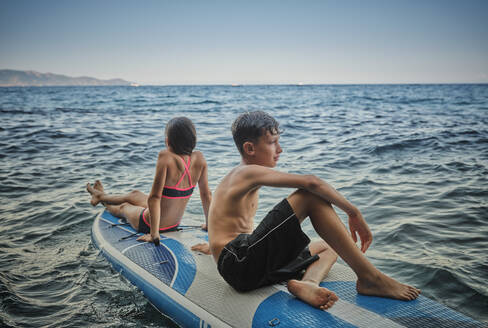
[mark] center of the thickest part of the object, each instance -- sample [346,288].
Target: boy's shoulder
[248,171]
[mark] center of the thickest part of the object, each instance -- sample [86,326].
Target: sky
[249,42]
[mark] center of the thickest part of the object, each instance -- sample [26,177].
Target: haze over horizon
[270,42]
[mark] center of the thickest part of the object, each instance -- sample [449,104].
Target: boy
[277,249]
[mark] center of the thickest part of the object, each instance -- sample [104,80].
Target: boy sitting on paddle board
[277,249]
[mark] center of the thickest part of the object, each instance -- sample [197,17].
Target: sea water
[412,158]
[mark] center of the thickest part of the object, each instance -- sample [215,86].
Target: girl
[178,168]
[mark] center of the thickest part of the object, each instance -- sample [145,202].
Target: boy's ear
[248,148]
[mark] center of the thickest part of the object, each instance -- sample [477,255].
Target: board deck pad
[186,286]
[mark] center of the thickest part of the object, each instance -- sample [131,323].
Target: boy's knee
[329,250]
[303,202]
[135,192]
[298,202]
[323,249]
[308,197]
[320,246]
[317,246]
[301,194]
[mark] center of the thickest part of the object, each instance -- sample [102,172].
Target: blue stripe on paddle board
[284,310]
[187,268]
[421,312]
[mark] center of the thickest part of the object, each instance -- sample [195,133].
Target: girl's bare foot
[98,185]
[96,194]
[312,293]
[384,286]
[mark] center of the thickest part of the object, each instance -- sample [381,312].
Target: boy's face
[267,150]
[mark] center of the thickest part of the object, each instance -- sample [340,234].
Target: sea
[413,158]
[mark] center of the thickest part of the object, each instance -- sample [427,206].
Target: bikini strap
[187,169]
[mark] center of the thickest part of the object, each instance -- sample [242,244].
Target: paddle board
[187,287]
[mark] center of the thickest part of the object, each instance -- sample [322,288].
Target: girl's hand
[148,238]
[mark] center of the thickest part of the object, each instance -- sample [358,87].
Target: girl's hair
[181,134]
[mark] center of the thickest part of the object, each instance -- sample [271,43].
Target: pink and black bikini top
[174,191]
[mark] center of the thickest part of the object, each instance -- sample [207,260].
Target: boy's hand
[358,226]
[204,226]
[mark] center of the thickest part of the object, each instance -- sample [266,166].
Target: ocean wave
[20,111]
[463,192]
[416,101]
[463,103]
[207,102]
[76,110]
[425,144]
[167,104]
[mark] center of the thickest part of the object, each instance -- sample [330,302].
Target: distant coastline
[21,78]
[17,78]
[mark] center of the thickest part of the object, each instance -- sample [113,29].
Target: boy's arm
[154,200]
[263,176]
[205,193]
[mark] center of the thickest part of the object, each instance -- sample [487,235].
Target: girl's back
[182,174]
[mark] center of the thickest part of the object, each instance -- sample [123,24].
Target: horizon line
[137,85]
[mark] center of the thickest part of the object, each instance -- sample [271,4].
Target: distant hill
[11,78]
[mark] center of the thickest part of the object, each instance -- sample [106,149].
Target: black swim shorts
[276,251]
[145,228]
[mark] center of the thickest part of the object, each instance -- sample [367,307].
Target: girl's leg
[135,197]
[127,211]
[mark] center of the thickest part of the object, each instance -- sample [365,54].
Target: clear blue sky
[207,42]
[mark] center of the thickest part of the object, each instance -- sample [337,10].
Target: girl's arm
[154,199]
[205,193]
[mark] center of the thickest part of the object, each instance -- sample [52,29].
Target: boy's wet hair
[181,134]
[252,125]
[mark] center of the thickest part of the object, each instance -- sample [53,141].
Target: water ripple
[413,158]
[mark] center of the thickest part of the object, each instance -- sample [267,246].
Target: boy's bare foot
[94,193]
[312,294]
[98,185]
[384,286]
[202,248]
